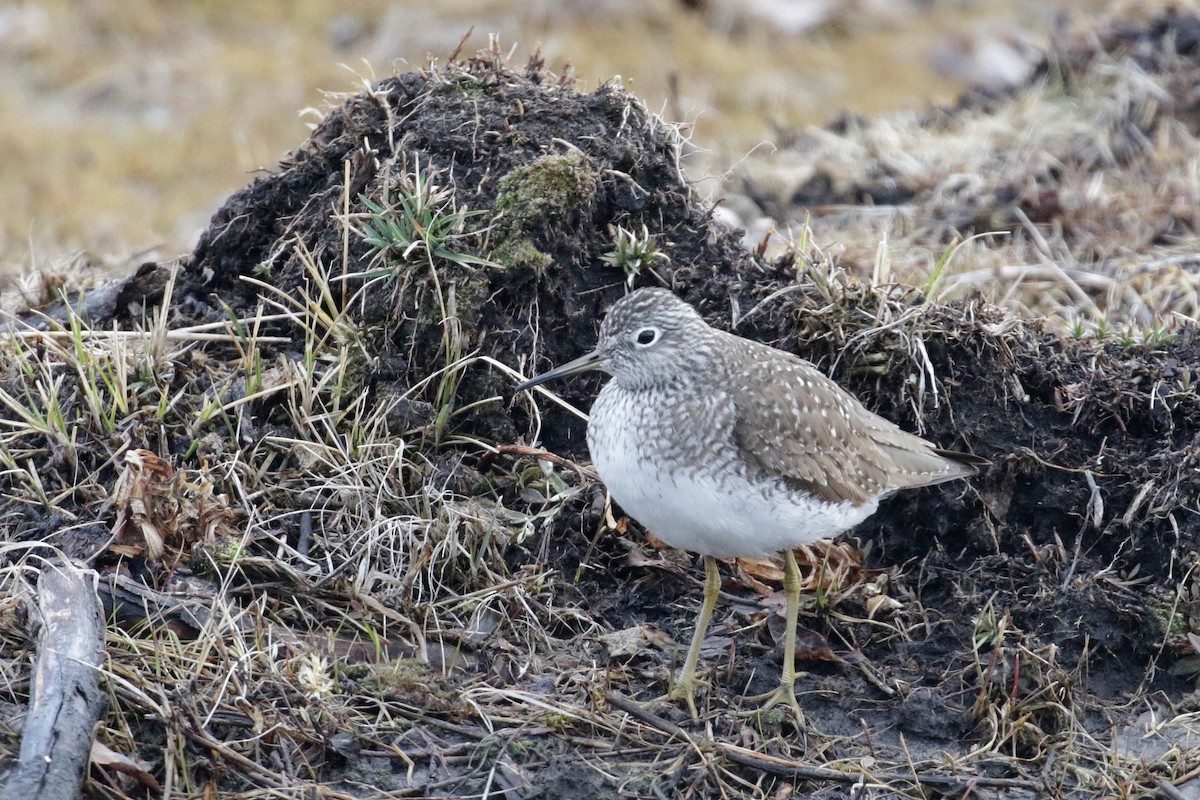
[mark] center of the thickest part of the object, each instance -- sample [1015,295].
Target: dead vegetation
[1072,197]
[336,564]
[125,124]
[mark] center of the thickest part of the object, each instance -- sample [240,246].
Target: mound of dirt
[560,167]
[455,225]
[1077,181]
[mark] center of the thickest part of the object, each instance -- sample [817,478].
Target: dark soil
[1030,601]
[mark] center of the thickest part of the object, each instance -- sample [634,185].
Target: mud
[1047,575]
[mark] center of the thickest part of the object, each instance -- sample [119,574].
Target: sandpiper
[728,447]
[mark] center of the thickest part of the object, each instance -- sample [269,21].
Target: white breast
[714,509]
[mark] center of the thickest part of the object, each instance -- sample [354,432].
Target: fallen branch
[65,700]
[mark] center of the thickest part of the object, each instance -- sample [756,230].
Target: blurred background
[124,124]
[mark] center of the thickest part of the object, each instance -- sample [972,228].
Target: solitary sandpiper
[729,447]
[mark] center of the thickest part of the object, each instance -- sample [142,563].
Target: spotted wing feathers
[812,434]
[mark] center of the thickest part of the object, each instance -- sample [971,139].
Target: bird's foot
[684,689]
[784,694]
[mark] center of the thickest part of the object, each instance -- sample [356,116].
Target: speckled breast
[672,464]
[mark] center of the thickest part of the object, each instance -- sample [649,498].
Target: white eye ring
[646,337]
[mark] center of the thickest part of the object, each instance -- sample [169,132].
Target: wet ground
[1021,614]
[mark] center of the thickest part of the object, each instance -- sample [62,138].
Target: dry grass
[352,596]
[401,577]
[345,609]
[127,123]
[344,614]
[1077,194]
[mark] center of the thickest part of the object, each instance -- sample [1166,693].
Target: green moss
[413,682]
[544,191]
[519,253]
[1164,608]
[536,198]
[374,772]
[471,293]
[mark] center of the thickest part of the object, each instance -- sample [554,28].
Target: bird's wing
[810,433]
[918,462]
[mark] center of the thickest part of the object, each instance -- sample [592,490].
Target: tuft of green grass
[418,219]
[1158,334]
[633,252]
[1127,336]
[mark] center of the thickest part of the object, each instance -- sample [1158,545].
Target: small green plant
[937,274]
[420,219]
[991,628]
[632,252]
[1158,334]
[36,406]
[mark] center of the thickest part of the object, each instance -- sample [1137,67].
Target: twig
[788,768]
[1167,789]
[416,715]
[181,335]
[793,769]
[519,451]
[649,717]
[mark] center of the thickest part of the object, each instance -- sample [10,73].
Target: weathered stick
[65,699]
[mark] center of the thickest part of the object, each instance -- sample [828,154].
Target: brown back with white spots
[813,435]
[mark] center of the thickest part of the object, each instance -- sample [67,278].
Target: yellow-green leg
[685,684]
[786,693]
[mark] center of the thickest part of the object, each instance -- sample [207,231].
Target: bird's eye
[647,336]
